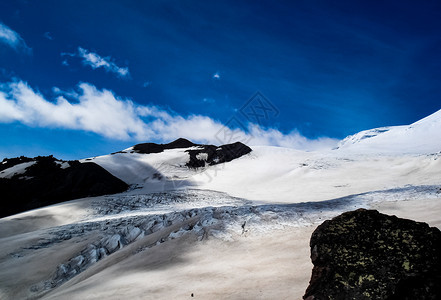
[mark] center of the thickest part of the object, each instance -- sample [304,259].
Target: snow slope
[280,175]
[136,168]
[237,230]
[115,246]
[421,137]
[16,170]
[375,159]
[152,172]
[274,174]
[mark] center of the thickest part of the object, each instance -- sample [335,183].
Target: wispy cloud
[96,61]
[48,35]
[13,39]
[102,112]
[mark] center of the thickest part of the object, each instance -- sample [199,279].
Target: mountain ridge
[41,181]
[420,137]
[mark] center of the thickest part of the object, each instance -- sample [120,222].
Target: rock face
[364,254]
[8,163]
[147,148]
[212,155]
[201,155]
[48,180]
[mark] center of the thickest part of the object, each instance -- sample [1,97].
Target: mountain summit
[421,137]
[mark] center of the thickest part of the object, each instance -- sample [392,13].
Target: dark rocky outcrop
[212,155]
[364,254]
[147,148]
[46,182]
[202,156]
[10,162]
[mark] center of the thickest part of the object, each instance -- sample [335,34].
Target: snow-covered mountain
[207,221]
[40,181]
[261,173]
[28,183]
[421,137]
[288,175]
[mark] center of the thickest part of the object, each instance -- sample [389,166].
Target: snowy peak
[166,166]
[421,137]
[431,120]
[362,135]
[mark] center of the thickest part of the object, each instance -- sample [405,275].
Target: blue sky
[83,78]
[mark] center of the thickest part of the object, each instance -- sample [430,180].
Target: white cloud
[291,140]
[13,39]
[103,113]
[96,111]
[216,75]
[95,61]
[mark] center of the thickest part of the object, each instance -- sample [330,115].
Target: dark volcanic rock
[211,155]
[46,182]
[10,162]
[367,255]
[148,148]
[204,155]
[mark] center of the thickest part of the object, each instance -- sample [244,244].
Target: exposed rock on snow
[165,167]
[367,255]
[10,162]
[18,169]
[213,155]
[148,148]
[46,180]
[200,155]
[70,247]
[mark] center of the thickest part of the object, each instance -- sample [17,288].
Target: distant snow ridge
[362,135]
[421,137]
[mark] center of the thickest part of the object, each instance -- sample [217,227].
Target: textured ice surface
[123,220]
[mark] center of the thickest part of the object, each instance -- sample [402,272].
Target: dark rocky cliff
[201,155]
[46,182]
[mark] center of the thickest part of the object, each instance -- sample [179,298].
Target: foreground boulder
[364,254]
